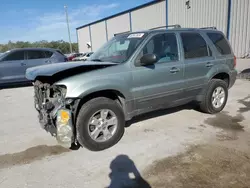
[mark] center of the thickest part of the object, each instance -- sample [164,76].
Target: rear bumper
[233,76]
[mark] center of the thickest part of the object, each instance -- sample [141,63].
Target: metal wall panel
[203,13]
[240,27]
[149,17]
[98,35]
[118,24]
[83,38]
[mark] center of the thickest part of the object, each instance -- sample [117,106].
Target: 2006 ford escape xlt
[87,103]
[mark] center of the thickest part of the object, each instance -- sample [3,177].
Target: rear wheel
[100,124]
[215,98]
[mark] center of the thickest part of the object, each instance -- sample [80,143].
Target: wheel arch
[222,76]
[113,94]
[217,75]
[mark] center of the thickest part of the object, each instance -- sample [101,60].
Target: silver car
[13,63]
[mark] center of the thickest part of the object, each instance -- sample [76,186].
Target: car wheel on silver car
[100,124]
[215,98]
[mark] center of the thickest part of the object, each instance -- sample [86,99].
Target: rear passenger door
[37,57]
[198,61]
[160,84]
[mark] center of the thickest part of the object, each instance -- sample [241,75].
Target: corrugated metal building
[230,16]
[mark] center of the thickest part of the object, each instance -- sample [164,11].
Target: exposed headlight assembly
[59,91]
[64,134]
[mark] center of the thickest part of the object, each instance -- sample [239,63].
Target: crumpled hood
[52,69]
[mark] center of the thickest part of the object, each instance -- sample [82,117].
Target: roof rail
[121,33]
[209,28]
[167,26]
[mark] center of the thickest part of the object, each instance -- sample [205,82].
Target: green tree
[60,45]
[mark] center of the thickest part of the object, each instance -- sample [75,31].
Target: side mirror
[148,59]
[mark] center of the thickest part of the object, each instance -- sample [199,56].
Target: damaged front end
[55,112]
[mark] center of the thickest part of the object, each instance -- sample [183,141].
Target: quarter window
[220,43]
[164,46]
[48,54]
[194,45]
[15,56]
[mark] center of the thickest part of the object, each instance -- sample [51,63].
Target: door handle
[174,70]
[209,64]
[23,64]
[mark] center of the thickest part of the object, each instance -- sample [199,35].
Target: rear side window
[48,54]
[35,54]
[15,56]
[220,43]
[194,45]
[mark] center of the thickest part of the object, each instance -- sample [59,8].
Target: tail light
[234,61]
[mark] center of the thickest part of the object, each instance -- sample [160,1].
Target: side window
[164,46]
[194,45]
[35,54]
[15,56]
[220,43]
[48,54]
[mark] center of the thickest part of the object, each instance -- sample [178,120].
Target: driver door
[160,84]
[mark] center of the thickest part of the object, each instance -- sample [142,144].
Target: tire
[82,123]
[206,104]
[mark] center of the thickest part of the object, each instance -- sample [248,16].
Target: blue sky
[34,20]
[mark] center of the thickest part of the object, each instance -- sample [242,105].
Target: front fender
[95,85]
[81,89]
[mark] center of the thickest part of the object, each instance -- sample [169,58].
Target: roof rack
[209,28]
[121,33]
[167,26]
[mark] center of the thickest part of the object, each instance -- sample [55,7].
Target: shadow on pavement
[246,71]
[124,174]
[158,113]
[245,74]
[246,103]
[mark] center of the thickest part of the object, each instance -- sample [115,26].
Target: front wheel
[100,124]
[215,98]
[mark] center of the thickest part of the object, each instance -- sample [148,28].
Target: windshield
[119,48]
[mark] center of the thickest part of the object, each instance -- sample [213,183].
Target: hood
[62,68]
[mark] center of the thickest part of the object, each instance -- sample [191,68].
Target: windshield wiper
[96,60]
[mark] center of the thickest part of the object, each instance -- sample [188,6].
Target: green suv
[87,103]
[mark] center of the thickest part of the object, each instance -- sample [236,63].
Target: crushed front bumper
[54,117]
